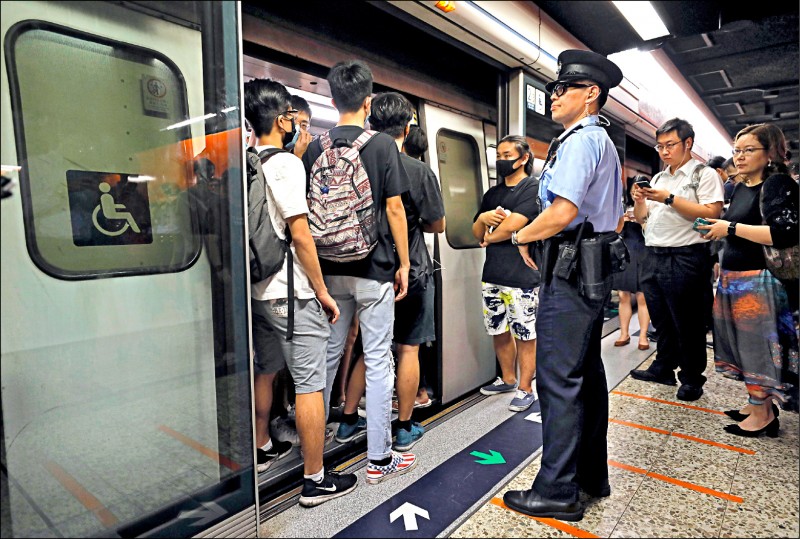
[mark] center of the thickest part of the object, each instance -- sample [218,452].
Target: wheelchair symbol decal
[111,212]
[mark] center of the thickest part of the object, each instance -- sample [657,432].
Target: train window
[126,402]
[460,175]
[106,171]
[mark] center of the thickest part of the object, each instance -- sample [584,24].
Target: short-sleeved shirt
[285,198]
[387,178]
[423,204]
[504,266]
[588,174]
[665,226]
[741,254]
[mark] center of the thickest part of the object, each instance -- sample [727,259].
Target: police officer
[580,186]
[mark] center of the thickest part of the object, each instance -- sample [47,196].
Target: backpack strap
[325,141]
[364,139]
[264,156]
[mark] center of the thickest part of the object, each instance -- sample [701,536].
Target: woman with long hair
[754,334]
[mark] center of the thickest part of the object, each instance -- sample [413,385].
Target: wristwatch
[514,239]
[669,200]
[732,228]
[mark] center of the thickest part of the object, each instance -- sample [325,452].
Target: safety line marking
[671,403]
[678,482]
[210,453]
[553,523]
[684,436]
[86,498]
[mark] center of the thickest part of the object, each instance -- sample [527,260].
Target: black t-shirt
[423,204]
[504,265]
[740,254]
[387,178]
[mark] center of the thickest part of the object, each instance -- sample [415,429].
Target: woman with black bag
[755,336]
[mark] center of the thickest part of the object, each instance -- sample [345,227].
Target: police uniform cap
[576,64]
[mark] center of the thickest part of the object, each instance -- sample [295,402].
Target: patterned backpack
[341,214]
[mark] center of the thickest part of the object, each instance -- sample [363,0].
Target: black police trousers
[675,280]
[573,394]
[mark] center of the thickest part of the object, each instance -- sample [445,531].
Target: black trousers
[675,282]
[573,394]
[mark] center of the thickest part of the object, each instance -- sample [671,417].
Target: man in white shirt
[676,271]
[268,110]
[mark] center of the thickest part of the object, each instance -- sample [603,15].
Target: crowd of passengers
[350,321]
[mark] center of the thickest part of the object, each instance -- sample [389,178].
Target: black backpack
[267,250]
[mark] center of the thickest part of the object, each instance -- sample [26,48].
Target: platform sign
[108,209]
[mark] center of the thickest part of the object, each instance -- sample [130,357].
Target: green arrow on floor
[494,458]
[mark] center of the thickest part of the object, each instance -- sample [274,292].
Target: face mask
[290,136]
[505,167]
[294,139]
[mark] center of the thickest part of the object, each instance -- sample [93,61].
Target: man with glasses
[580,190]
[267,108]
[677,270]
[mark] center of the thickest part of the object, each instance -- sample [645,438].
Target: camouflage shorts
[506,308]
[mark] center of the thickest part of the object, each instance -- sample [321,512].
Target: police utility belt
[585,258]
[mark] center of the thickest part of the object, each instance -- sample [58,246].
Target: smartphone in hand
[700,221]
[643,183]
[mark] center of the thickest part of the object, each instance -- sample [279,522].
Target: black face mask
[505,167]
[289,136]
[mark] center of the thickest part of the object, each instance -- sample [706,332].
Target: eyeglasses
[668,146]
[562,87]
[747,151]
[291,113]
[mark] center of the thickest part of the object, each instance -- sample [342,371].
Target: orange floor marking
[684,484]
[88,500]
[684,436]
[210,453]
[662,401]
[552,522]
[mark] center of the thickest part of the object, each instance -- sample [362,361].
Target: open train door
[457,154]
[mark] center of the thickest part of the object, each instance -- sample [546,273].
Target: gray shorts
[304,354]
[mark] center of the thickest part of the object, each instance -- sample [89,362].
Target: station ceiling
[741,58]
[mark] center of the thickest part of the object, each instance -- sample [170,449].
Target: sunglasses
[562,87]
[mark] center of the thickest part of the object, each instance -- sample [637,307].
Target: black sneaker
[332,486]
[264,459]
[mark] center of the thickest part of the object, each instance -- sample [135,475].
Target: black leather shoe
[647,376]
[736,415]
[530,503]
[771,430]
[689,393]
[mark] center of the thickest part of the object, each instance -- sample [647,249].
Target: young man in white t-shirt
[268,109]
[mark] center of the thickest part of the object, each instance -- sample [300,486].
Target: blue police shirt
[588,174]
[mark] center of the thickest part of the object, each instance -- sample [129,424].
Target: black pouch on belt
[567,260]
[601,256]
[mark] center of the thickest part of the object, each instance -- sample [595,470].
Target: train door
[457,154]
[126,385]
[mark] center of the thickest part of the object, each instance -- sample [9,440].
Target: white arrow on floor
[409,512]
[535,417]
[209,511]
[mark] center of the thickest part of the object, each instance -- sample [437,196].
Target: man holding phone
[677,268]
